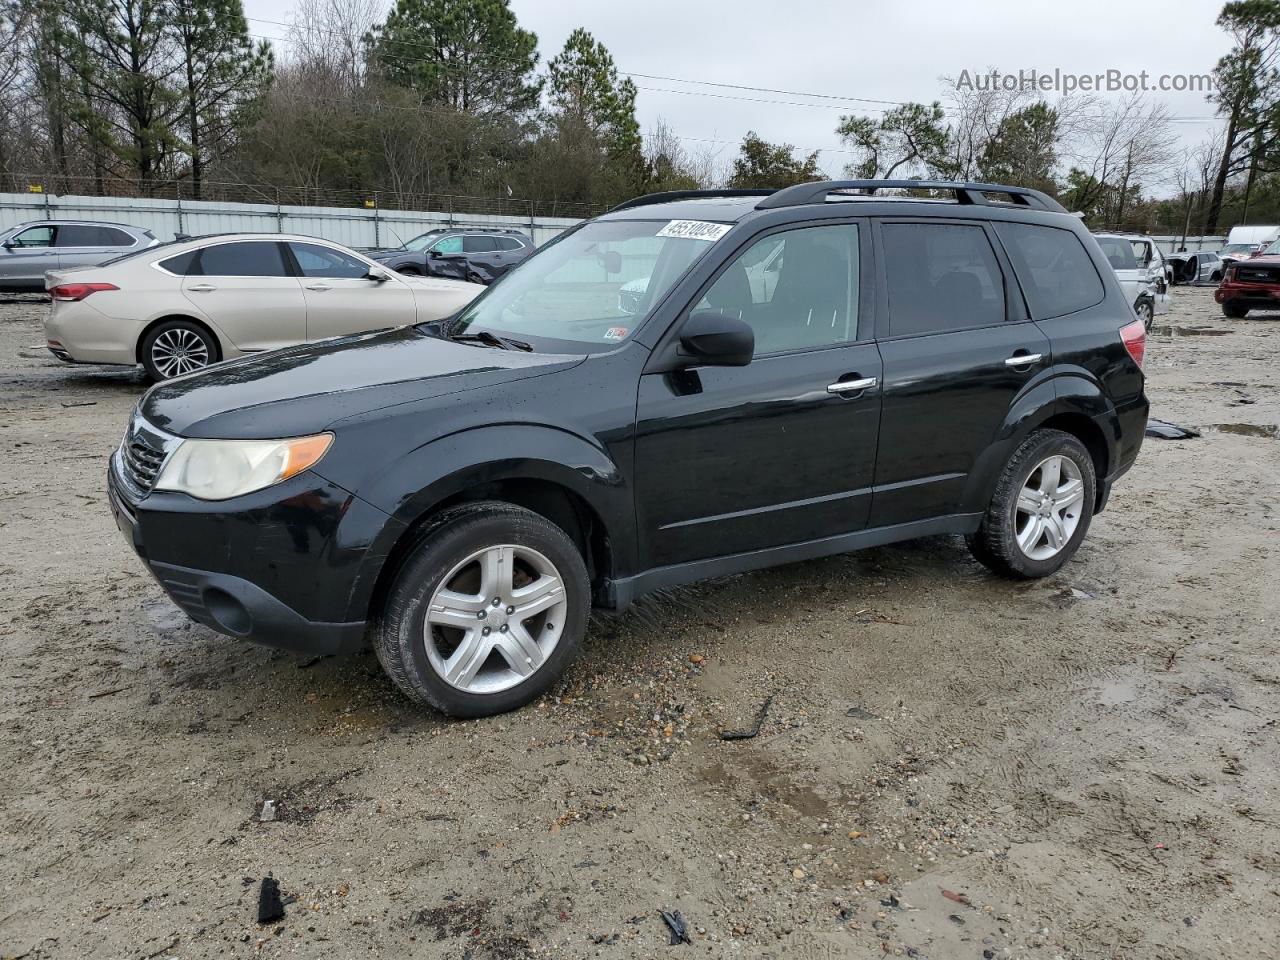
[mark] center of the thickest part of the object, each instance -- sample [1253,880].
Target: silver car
[29,250]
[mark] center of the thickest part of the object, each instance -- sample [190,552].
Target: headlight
[221,469]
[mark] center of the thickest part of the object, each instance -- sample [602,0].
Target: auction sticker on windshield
[695,230]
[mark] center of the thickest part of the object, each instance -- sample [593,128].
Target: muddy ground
[953,766]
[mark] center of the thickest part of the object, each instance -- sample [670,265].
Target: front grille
[1257,274]
[142,454]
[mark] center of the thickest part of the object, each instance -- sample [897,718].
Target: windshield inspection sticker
[695,230]
[615,333]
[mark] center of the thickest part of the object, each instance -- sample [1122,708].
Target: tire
[1234,311]
[451,555]
[1146,313]
[1216,276]
[177,347]
[1000,542]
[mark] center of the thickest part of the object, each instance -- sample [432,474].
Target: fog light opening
[229,612]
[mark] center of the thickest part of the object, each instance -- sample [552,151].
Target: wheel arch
[187,318]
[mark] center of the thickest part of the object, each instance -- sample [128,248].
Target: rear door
[249,292]
[484,255]
[958,347]
[27,255]
[341,299]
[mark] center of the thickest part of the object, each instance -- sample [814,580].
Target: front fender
[414,485]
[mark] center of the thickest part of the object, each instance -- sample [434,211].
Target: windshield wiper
[493,340]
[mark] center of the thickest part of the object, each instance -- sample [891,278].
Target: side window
[317,261]
[256,258]
[940,277]
[798,289]
[473,243]
[1057,273]
[508,243]
[34,237]
[448,245]
[181,264]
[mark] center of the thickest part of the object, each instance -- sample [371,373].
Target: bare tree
[328,37]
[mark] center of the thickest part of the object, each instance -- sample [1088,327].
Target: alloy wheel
[1049,507]
[179,351]
[495,618]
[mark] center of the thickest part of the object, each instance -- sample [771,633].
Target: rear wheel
[176,347]
[486,613]
[1041,508]
[1234,311]
[410,271]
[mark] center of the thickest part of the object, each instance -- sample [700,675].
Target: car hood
[302,390]
[378,252]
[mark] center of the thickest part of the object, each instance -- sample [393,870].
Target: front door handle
[202,288]
[852,386]
[1023,359]
[318,286]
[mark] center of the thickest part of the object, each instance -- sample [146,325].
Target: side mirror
[717,338]
[8,244]
[377,275]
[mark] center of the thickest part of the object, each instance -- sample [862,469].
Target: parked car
[29,250]
[1250,285]
[183,306]
[476,254]
[1199,267]
[1141,270]
[461,492]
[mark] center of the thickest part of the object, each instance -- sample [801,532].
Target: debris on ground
[752,731]
[955,897]
[79,403]
[675,923]
[860,713]
[1162,430]
[268,812]
[270,908]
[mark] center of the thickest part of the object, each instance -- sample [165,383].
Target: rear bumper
[277,572]
[1128,426]
[86,335]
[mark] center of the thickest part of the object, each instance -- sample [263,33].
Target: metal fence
[366,225]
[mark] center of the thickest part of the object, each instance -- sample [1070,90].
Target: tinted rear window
[76,235]
[258,258]
[941,277]
[179,265]
[1056,272]
[473,244]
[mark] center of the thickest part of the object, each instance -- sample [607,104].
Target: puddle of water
[1114,693]
[1269,430]
[1171,331]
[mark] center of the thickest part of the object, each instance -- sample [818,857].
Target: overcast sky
[876,50]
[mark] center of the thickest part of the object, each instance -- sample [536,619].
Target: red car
[1250,285]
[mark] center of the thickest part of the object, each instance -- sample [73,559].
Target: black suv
[476,254]
[461,492]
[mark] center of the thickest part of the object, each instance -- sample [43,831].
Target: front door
[957,350]
[249,293]
[342,300]
[27,255]
[734,459]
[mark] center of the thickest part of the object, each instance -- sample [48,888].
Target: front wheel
[1041,508]
[1146,313]
[486,612]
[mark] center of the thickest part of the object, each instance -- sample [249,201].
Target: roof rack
[668,196]
[966,193]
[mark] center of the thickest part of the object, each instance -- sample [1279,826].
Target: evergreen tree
[222,76]
[764,165]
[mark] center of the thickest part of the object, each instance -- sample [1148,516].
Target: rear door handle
[852,386]
[1023,359]
[318,286]
[202,288]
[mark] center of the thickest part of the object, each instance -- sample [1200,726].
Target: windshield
[1271,249]
[589,288]
[1236,248]
[423,240]
[1119,252]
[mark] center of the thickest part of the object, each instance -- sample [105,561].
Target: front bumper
[277,568]
[1248,294]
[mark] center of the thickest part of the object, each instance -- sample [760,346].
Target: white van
[1244,242]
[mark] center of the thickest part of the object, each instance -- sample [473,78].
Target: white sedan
[182,306]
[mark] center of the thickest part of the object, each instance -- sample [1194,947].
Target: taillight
[1134,336]
[78,291]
